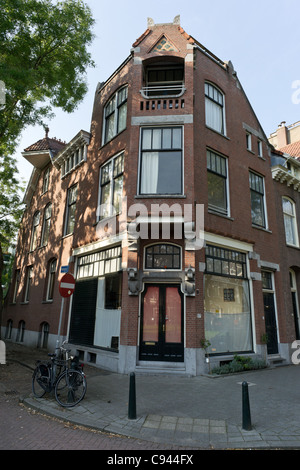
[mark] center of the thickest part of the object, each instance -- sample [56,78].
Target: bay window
[115,115]
[161,165]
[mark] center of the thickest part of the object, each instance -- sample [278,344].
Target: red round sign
[66,285]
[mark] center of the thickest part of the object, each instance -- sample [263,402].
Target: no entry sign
[66,285]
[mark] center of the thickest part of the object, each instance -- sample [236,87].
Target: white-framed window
[111,187]
[259,148]
[51,279]
[34,233]
[70,210]
[257,192]
[214,108]
[16,285]
[290,221]
[227,301]
[46,180]
[217,183]
[161,161]
[73,160]
[28,281]
[115,114]
[248,141]
[162,256]
[46,224]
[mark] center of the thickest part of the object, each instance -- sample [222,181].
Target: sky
[261,38]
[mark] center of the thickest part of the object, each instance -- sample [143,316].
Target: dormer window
[165,80]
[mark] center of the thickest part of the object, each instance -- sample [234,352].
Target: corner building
[165,213]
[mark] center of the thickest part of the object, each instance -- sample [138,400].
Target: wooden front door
[162,323]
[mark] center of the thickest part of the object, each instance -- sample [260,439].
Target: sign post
[66,289]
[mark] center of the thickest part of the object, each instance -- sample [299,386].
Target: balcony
[163,91]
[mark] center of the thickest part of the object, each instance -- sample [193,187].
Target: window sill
[68,235]
[47,301]
[212,212]
[160,196]
[105,143]
[262,228]
[217,132]
[289,245]
[24,303]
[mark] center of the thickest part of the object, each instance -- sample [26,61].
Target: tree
[43,61]
[11,209]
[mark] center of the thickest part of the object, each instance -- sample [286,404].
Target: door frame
[271,291]
[161,355]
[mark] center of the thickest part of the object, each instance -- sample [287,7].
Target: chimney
[282,138]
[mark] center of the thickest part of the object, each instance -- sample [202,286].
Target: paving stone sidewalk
[195,412]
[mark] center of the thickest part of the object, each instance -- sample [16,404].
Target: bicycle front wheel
[70,388]
[41,380]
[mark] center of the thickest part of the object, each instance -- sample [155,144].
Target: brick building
[165,212]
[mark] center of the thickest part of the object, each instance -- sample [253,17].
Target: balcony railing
[160,104]
[163,91]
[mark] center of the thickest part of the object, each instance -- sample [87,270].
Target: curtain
[149,176]
[214,115]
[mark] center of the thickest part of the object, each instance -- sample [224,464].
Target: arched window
[115,114]
[163,256]
[8,330]
[214,108]
[21,331]
[46,224]
[44,334]
[290,222]
[34,233]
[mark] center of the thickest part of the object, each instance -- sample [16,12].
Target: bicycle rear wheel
[41,380]
[70,388]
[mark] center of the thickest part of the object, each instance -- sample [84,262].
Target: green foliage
[43,61]
[239,364]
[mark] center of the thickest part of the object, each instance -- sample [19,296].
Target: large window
[217,182]
[115,115]
[70,210]
[257,199]
[111,187]
[34,233]
[28,282]
[214,108]
[227,301]
[290,222]
[46,224]
[161,161]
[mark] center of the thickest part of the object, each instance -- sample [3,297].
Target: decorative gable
[164,45]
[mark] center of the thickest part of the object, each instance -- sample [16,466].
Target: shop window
[227,301]
[113,292]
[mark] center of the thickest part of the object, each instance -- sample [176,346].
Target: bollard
[246,408]
[132,397]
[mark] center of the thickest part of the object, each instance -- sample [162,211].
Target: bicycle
[64,375]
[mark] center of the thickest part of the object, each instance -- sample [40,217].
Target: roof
[55,145]
[292,149]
